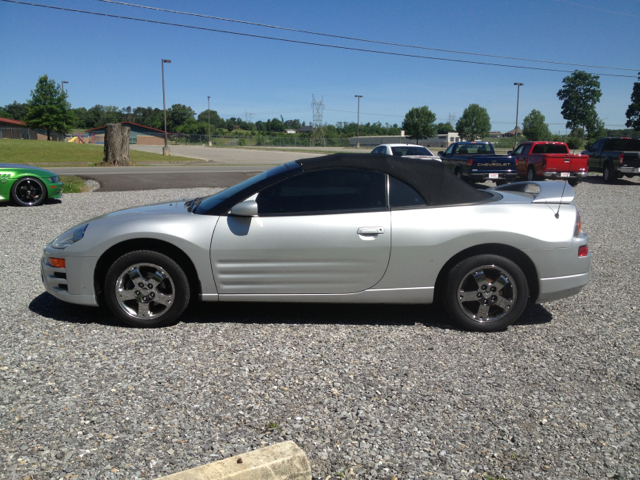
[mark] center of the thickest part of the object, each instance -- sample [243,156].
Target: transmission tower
[452,120]
[248,117]
[317,134]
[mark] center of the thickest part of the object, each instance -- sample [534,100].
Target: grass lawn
[73,184]
[60,154]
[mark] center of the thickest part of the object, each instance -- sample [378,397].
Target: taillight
[470,162]
[578,226]
[583,251]
[621,159]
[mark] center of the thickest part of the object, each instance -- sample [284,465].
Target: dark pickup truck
[477,162]
[615,157]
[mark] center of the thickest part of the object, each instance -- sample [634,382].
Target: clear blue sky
[112,61]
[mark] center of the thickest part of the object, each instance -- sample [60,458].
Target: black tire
[458,173]
[607,173]
[485,293]
[144,288]
[531,174]
[28,192]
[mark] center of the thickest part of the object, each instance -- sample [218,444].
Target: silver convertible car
[340,228]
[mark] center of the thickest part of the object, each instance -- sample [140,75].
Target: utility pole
[165,150]
[515,142]
[209,112]
[63,82]
[358,128]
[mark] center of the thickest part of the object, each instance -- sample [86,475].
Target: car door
[446,158]
[521,167]
[319,232]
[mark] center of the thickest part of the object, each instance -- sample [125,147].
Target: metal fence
[21,133]
[257,140]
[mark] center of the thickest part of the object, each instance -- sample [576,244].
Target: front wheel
[144,288]
[485,293]
[28,192]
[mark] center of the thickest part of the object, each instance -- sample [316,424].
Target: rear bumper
[566,175]
[630,170]
[552,289]
[483,176]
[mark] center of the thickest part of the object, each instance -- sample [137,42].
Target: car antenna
[557,215]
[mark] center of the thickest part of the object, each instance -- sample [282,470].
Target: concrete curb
[282,461]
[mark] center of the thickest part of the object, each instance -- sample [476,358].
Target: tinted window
[623,145]
[550,148]
[449,150]
[402,151]
[476,149]
[325,191]
[402,195]
[526,150]
[518,150]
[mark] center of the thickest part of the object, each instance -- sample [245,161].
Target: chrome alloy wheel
[486,294]
[145,291]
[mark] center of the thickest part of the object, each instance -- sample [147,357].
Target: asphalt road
[216,167]
[120,179]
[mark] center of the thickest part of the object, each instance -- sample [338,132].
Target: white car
[406,150]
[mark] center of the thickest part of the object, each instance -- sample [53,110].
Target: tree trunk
[116,145]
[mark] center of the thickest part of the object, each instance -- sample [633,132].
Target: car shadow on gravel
[46,305]
[626,182]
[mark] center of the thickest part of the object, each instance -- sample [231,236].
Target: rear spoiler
[548,192]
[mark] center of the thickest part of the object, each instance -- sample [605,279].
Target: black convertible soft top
[429,177]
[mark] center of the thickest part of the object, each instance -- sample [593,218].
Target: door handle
[370,230]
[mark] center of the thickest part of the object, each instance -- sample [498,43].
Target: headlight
[70,237]
[55,179]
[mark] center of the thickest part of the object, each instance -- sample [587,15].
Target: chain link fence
[255,141]
[20,133]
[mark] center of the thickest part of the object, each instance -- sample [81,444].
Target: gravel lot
[366,391]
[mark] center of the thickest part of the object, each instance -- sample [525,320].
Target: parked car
[615,157]
[321,230]
[478,162]
[550,160]
[27,186]
[406,150]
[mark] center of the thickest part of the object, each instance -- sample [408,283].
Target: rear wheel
[28,192]
[144,288]
[458,173]
[485,293]
[607,173]
[573,182]
[531,174]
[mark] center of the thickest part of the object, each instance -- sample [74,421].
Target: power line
[355,38]
[597,8]
[339,47]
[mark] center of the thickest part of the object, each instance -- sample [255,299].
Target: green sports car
[27,186]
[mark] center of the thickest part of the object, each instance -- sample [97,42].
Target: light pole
[165,150]
[358,128]
[209,111]
[515,142]
[63,82]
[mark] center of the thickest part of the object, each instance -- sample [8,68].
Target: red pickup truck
[550,160]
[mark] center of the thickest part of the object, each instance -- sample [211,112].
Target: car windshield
[213,201]
[402,151]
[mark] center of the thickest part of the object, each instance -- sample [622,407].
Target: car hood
[175,207]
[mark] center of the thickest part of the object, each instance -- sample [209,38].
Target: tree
[48,107]
[596,130]
[579,95]
[474,123]
[116,144]
[444,127]
[534,126]
[633,112]
[177,115]
[15,110]
[419,123]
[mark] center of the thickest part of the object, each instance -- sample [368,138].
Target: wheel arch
[507,251]
[153,244]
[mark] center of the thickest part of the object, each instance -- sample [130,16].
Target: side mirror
[440,154]
[510,152]
[245,209]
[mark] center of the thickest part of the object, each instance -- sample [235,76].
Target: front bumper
[74,283]
[630,170]
[565,175]
[54,190]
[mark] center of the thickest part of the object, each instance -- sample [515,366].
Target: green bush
[242,142]
[574,143]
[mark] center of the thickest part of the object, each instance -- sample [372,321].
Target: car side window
[319,192]
[518,150]
[402,195]
[449,150]
[526,150]
[377,150]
